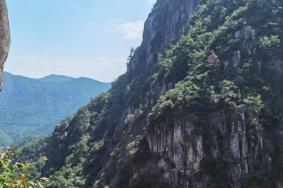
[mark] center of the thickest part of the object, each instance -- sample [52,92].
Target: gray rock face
[168,21]
[187,145]
[4,37]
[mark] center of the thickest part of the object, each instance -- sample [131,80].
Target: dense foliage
[15,174]
[214,80]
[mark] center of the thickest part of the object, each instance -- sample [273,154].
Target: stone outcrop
[4,38]
[195,145]
[167,22]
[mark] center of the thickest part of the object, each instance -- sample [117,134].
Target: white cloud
[132,30]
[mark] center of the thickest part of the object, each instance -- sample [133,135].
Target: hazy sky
[90,38]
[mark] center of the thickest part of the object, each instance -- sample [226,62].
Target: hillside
[200,105]
[35,106]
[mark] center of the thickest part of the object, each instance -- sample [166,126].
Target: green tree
[15,174]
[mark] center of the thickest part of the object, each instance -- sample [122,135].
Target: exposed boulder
[4,38]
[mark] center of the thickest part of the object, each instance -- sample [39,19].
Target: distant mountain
[34,106]
[56,78]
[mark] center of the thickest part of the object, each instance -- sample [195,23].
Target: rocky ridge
[204,114]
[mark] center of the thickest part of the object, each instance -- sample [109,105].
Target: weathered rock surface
[167,22]
[223,138]
[4,38]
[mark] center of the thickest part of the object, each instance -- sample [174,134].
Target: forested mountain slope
[202,110]
[34,106]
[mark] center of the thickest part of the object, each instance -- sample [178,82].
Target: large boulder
[4,38]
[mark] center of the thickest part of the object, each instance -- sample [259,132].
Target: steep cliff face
[205,114]
[163,27]
[221,153]
[4,37]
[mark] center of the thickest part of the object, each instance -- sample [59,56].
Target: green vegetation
[35,106]
[66,178]
[213,80]
[254,102]
[15,174]
[269,42]
[33,150]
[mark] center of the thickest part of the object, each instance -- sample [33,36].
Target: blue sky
[90,38]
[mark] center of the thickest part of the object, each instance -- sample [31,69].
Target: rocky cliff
[4,37]
[200,105]
[163,27]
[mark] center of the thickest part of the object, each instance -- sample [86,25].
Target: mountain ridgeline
[201,105]
[35,106]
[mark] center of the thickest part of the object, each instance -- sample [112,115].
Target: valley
[35,106]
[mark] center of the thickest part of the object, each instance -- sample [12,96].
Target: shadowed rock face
[4,38]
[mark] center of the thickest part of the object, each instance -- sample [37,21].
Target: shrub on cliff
[14,174]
